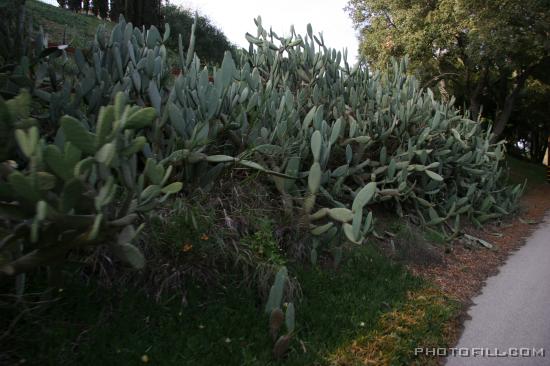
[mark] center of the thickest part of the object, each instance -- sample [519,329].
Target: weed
[263,244]
[409,244]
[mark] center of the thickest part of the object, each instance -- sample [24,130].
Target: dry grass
[423,320]
[209,238]
[465,268]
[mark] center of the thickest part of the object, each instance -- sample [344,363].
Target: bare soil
[463,271]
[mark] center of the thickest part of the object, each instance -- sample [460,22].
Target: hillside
[79,28]
[211,42]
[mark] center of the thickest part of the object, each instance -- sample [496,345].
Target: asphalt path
[512,314]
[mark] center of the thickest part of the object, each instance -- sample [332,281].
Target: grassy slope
[89,326]
[79,28]
[521,170]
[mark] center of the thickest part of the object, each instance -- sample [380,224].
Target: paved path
[513,311]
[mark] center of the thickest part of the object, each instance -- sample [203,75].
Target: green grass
[521,170]
[80,29]
[92,326]
[427,319]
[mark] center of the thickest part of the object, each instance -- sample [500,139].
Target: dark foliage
[14,30]
[211,42]
[530,124]
[101,8]
[75,5]
[139,12]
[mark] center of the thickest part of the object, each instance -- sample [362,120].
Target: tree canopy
[210,43]
[139,12]
[484,52]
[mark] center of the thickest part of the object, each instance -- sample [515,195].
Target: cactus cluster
[83,189]
[334,139]
[348,137]
[128,59]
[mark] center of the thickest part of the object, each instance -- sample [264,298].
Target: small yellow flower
[186,247]
[144,358]
[204,237]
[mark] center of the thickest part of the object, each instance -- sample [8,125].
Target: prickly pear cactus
[277,317]
[83,190]
[334,138]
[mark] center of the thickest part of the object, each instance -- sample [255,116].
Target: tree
[530,122]
[14,31]
[116,7]
[100,8]
[95,8]
[74,5]
[138,12]
[472,47]
[210,42]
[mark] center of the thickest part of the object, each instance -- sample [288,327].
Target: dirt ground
[463,271]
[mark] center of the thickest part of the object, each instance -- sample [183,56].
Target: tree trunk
[129,11]
[535,146]
[114,10]
[543,144]
[104,9]
[475,104]
[95,7]
[503,116]
[475,107]
[20,38]
[442,85]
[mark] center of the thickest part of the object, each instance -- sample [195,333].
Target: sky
[236,17]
